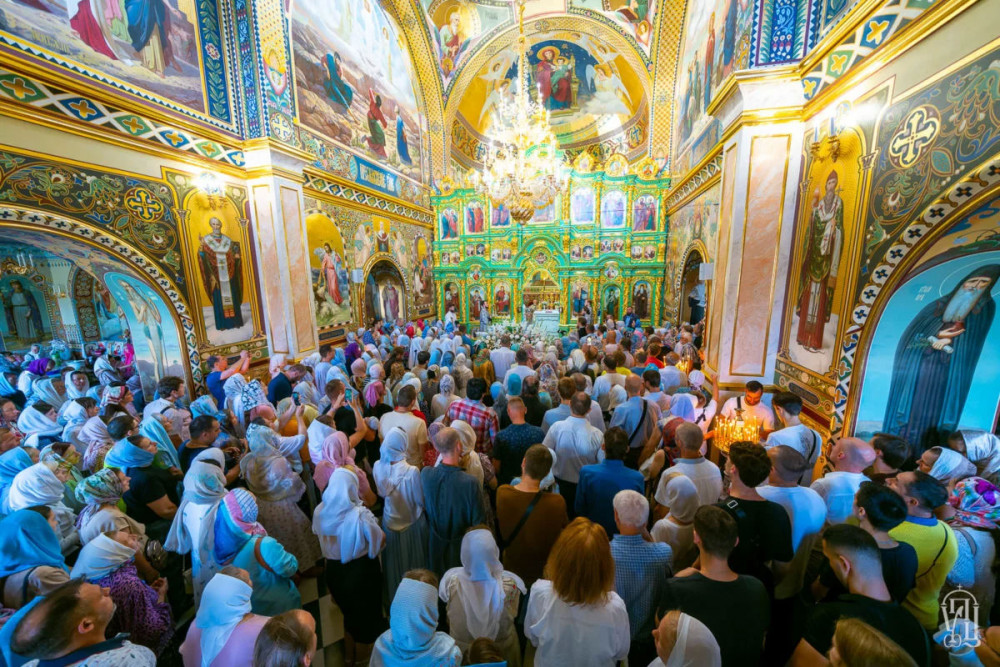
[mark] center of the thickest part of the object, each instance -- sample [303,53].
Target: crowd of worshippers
[555,504]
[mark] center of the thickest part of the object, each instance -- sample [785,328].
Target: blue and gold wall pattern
[602,241]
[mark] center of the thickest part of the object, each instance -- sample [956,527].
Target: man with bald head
[637,417]
[453,502]
[850,456]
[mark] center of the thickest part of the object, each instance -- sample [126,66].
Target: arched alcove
[690,310]
[384,292]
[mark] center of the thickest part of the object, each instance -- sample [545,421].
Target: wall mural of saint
[23,313]
[221,272]
[640,300]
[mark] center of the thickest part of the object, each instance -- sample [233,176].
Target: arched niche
[92,251]
[687,280]
[384,292]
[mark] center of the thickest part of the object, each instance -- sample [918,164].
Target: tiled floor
[329,622]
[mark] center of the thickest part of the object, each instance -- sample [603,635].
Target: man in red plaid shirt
[471,410]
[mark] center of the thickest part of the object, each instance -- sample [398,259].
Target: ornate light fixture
[523,168]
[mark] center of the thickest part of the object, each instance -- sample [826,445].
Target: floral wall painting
[26,318]
[644,214]
[152,45]
[449,226]
[355,82]
[642,294]
[224,271]
[936,335]
[331,286]
[158,348]
[582,206]
[613,210]
[501,300]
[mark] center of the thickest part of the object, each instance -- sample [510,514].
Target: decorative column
[275,182]
[760,172]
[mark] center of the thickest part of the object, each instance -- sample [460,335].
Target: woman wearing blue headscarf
[31,562]
[11,463]
[152,497]
[239,540]
[166,453]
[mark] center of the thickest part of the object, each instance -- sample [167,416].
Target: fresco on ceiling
[932,335]
[635,16]
[25,315]
[589,88]
[354,80]
[331,284]
[828,221]
[223,268]
[457,26]
[716,43]
[151,44]
[158,349]
[697,220]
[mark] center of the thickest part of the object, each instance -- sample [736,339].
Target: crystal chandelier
[523,168]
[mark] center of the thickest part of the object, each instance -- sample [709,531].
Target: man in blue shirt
[600,482]
[513,441]
[631,320]
[222,371]
[637,417]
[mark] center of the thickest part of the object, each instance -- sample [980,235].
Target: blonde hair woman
[857,644]
[574,616]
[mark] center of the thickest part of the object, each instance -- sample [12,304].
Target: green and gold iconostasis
[602,241]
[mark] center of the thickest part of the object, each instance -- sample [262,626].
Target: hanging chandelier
[523,168]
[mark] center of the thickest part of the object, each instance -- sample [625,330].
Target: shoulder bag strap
[642,419]
[260,558]
[944,546]
[504,543]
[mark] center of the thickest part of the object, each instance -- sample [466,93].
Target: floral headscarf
[337,452]
[372,392]
[235,523]
[113,395]
[101,488]
[977,503]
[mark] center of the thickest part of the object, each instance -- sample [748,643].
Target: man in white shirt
[671,377]
[705,475]
[795,434]
[596,416]
[502,357]
[170,389]
[575,443]
[603,384]
[522,368]
[806,510]
[403,417]
[850,456]
[749,405]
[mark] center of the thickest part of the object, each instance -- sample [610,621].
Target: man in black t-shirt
[853,555]
[764,527]
[733,606]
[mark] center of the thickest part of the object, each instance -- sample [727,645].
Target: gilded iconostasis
[207,176]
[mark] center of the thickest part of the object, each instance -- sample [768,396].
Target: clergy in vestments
[453,502]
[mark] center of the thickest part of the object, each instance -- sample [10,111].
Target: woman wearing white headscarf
[462,372]
[75,414]
[277,364]
[680,496]
[412,639]
[470,461]
[980,447]
[192,527]
[945,464]
[224,630]
[403,520]
[482,597]
[278,488]
[40,428]
[41,485]
[693,644]
[351,540]
[106,372]
[416,346]
[45,390]
[444,398]
[141,609]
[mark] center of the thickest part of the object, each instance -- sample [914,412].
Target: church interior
[815,184]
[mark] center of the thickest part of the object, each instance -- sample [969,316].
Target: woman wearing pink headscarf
[336,453]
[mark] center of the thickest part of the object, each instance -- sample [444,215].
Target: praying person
[224,629]
[849,456]
[412,639]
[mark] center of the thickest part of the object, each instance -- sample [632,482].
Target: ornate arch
[677,282]
[122,251]
[507,38]
[551,245]
[914,241]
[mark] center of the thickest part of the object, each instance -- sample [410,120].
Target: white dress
[595,635]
